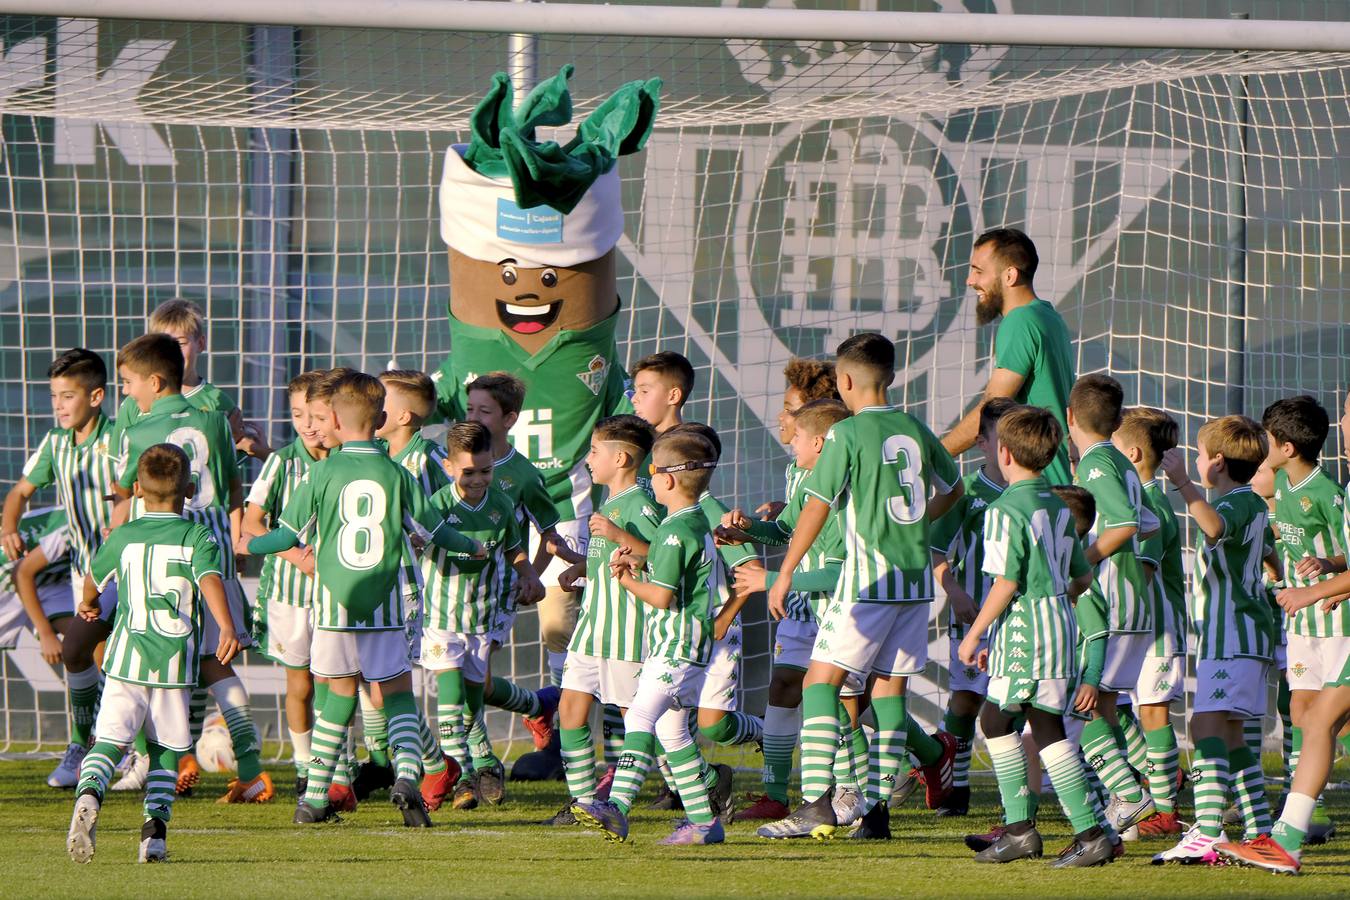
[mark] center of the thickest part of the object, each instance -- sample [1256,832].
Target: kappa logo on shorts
[1222,675]
[972,673]
[1219,694]
[1164,686]
[666,678]
[1164,667]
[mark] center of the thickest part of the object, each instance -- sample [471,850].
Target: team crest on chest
[1305,503]
[594,376]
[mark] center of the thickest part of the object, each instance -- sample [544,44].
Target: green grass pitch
[255,851]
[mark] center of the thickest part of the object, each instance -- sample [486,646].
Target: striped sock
[663,768]
[1294,822]
[844,771]
[734,728]
[963,729]
[330,737]
[860,751]
[98,767]
[1209,777]
[1249,784]
[1282,700]
[374,730]
[782,724]
[611,723]
[83,689]
[300,751]
[433,760]
[1010,768]
[639,753]
[450,718]
[920,744]
[887,749]
[686,764]
[1136,747]
[1253,732]
[343,772]
[1106,755]
[1163,761]
[160,782]
[233,702]
[1065,768]
[405,739]
[578,755]
[196,713]
[480,742]
[820,738]
[512,698]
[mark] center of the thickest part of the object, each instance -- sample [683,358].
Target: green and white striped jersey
[1231,610]
[683,559]
[83,475]
[1163,550]
[205,437]
[879,466]
[468,596]
[1310,517]
[732,555]
[827,549]
[360,504]
[1114,484]
[205,396]
[1029,538]
[158,561]
[46,530]
[610,625]
[517,477]
[424,459]
[283,471]
[959,536]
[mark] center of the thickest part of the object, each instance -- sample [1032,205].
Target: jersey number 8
[361,506]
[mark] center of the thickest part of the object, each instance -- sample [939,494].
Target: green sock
[98,767]
[887,748]
[843,771]
[83,690]
[1210,782]
[142,743]
[480,742]
[820,737]
[639,754]
[735,728]
[578,755]
[233,702]
[1010,768]
[1065,768]
[405,739]
[1344,741]
[686,764]
[611,721]
[1163,762]
[1249,784]
[1253,734]
[782,724]
[506,695]
[160,782]
[860,751]
[196,714]
[1132,735]
[433,758]
[1292,828]
[920,744]
[1106,755]
[450,717]
[327,743]
[963,729]
[375,731]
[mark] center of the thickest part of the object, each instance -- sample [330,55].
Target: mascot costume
[531,226]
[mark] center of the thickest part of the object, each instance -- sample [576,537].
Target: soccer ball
[215,749]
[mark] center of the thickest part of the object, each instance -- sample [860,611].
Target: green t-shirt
[571,383]
[516,476]
[1310,517]
[1033,341]
[205,396]
[879,466]
[683,559]
[46,530]
[959,536]
[610,625]
[1114,484]
[469,596]
[826,550]
[1029,538]
[1231,610]
[1163,550]
[83,475]
[361,504]
[158,561]
[423,459]
[281,474]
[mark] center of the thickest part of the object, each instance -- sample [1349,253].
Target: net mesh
[1188,207]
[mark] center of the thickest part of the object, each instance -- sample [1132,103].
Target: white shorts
[286,633]
[792,643]
[107,600]
[1054,695]
[501,635]
[611,681]
[1162,680]
[126,708]
[56,604]
[1125,654]
[1234,686]
[576,533]
[234,597]
[1315,661]
[964,677]
[723,674]
[866,638]
[374,655]
[679,681]
[443,649]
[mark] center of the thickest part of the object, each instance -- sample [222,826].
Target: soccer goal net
[806,181]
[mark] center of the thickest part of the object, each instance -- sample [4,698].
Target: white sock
[300,748]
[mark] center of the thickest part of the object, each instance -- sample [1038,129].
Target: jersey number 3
[908,506]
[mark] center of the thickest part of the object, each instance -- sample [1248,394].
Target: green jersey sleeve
[830,477]
[1078,564]
[266,491]
[643,526]
[1016,344]
[732,554]
[205,555]
[301,510]
[945,529]
[40,470]
[1114,509]
[538,505]
[667,560]
[1005,552]
[941,468]
[103,567]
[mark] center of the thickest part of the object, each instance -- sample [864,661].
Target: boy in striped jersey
[1032,552]
[879,467]
[361,504]
[73,457]
[1122,521]
[605,656]
[1309,507]
[151,369]
[283,618]
[681,589]
[463,598]
[166,566]
[958,565]
[1234,625]
[35,591]
[1143,437]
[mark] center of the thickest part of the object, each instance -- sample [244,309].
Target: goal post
[813,172]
